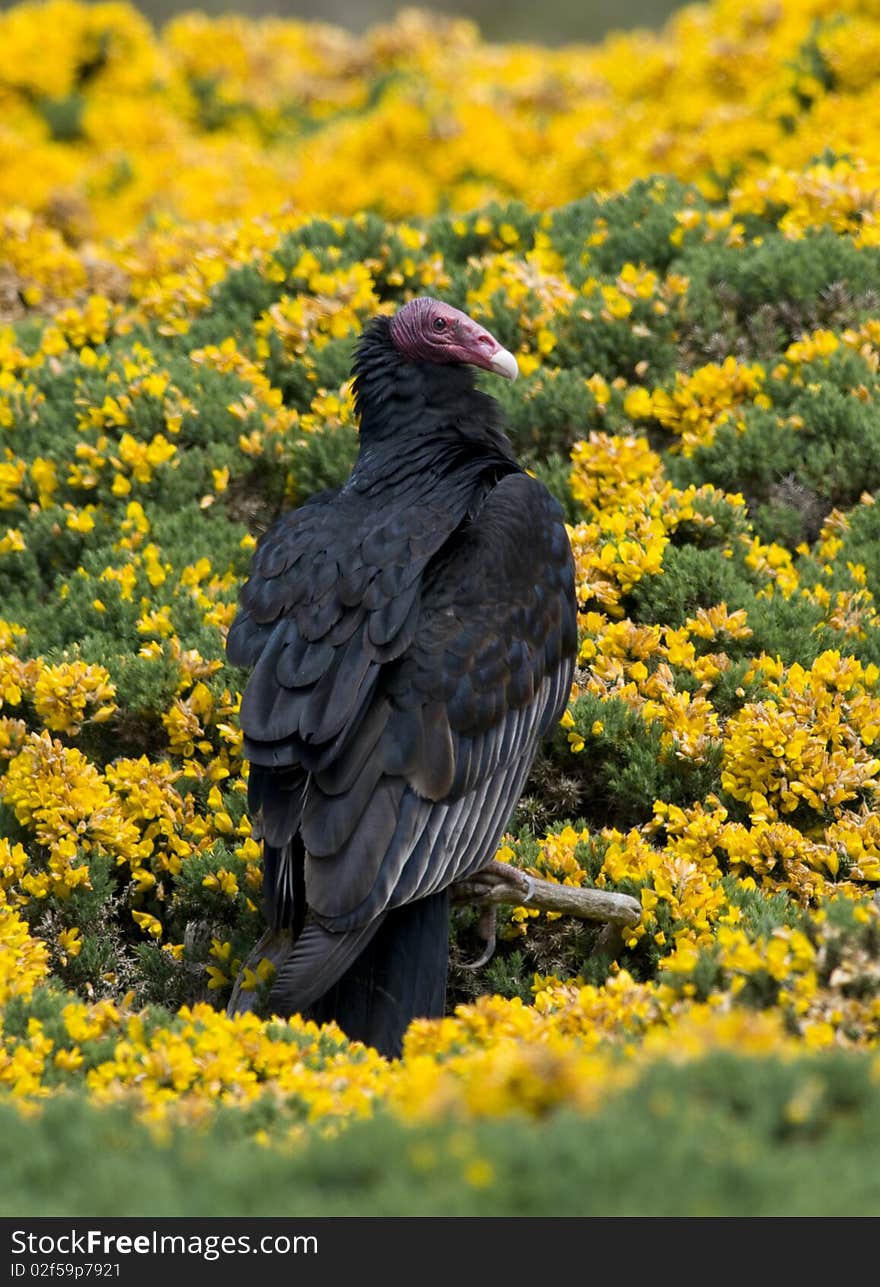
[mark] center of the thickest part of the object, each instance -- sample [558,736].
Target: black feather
[301,663]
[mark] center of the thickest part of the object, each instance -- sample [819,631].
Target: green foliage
[793,474]
[762,913]
[547,413]
[861,544]
[624,766]
[634,226]
[692,578]
[64,116]
[755,299]
[322,460]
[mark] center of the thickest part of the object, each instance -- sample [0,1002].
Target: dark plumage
[412,639]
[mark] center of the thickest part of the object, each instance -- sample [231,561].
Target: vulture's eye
[439,323]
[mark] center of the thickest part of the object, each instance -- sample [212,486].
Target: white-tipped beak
[504,363]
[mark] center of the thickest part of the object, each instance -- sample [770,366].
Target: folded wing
[403,678]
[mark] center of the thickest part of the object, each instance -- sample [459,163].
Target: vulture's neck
[413,409]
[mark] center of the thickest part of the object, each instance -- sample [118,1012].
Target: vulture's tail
[373,981]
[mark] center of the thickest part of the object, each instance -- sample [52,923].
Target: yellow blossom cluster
[221,117]
[700,401]
[842,196]
[63,692]
[809,743]
[631,508]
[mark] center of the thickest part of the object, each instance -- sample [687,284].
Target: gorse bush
[190,244]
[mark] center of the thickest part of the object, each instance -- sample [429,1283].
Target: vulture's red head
[428,330]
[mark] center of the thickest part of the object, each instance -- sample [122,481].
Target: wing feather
[320,958]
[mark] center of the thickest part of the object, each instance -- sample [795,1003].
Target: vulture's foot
[486,929]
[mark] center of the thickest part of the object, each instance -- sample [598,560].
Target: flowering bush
[181,281]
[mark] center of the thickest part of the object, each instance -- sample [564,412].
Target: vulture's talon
[528,891]
[487,928]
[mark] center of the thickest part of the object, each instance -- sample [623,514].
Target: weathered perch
[498,882]
[494,884]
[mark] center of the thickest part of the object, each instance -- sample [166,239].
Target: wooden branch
[498,882]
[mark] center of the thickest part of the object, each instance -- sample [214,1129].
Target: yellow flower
[70,941]
[149,924]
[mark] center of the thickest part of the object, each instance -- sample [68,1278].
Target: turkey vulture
[412,639]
